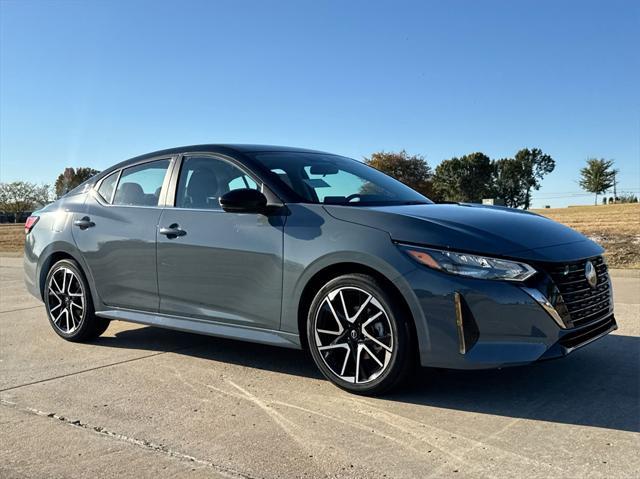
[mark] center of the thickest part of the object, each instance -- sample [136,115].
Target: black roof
[242,148]
[228,149]
[225,148]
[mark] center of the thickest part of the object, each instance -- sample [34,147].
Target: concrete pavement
[146,402]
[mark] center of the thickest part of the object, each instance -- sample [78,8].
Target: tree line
[474,177]
[20,197]
[470,178]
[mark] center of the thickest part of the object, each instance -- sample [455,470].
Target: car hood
[490,230]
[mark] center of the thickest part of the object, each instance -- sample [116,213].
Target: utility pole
[615,194]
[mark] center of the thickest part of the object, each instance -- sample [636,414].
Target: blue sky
[90,83]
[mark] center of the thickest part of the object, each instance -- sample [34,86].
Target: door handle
[84,223]
[173,231]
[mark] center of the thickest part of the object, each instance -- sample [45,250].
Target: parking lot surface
[146,402]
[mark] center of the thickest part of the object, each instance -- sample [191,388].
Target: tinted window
[329,179]
[141,185]
[338,184]
[108,186]
[203,180]
[242,181]
[283,176]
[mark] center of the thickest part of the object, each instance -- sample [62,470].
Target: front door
[218,266]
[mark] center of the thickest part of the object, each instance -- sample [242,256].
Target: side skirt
[210,328]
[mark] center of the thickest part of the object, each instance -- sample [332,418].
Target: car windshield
[335,180]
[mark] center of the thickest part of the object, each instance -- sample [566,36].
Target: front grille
[583,303]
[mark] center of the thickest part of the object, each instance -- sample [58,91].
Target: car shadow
[596,386]
[268,358]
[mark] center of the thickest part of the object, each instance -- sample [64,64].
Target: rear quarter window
[108,186]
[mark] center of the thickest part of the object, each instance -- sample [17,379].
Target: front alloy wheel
[358,336]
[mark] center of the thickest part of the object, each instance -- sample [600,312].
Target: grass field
[616,227]
[11,237]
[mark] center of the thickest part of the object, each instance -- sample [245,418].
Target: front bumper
[576,338]
[479,324]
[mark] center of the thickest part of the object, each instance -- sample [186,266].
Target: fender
[358,244]
[378,265]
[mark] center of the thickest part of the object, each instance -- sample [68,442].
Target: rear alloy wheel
[69,305]
[358,336]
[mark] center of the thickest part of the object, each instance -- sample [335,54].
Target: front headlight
[470,265]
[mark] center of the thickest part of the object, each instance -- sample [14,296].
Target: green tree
[509,182]
[535,165]
[465,179]
[598,176]
[412,170]
[72,177]
[515,178]
[21,197]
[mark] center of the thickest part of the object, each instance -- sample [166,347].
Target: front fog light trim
[543,301]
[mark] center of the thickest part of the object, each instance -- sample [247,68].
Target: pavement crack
[22,309]
[142,443]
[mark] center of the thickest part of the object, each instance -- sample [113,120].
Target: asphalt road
[145,402]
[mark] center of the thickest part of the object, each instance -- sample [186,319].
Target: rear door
[118,235]
[222,267]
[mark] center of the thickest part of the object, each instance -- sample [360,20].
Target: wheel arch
[59,251]
[332,271]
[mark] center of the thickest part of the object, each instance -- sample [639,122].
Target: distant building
[493,201]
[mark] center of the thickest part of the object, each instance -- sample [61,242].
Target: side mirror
[244,200]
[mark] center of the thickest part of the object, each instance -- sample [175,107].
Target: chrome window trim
[204,209]
[136,206]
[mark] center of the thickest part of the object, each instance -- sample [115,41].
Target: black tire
[392,346]
[69,305]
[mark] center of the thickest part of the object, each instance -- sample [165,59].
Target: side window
[108,186]
[141,185]
[203,180]
[242,181]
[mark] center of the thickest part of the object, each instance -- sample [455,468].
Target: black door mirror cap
[244,200]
